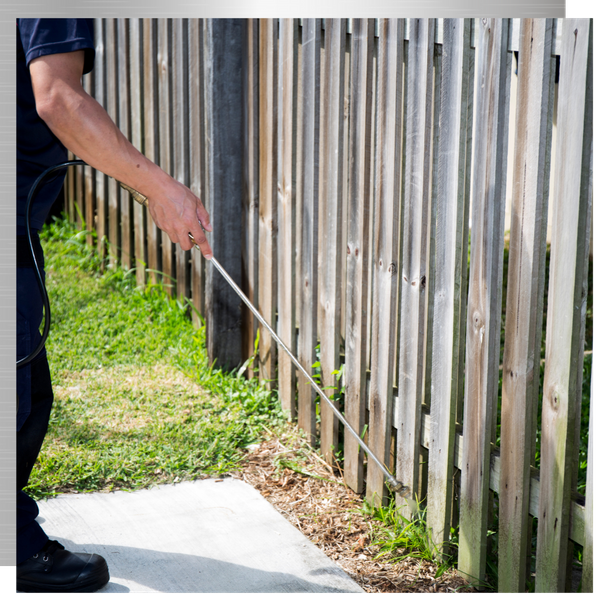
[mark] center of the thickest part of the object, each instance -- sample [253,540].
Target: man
[54,114]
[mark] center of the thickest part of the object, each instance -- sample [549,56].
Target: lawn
[136,400]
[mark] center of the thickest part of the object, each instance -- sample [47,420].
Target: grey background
[9,11]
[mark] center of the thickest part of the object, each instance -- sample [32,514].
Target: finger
[181,238]
[186,243]
[203,217]
[200,240]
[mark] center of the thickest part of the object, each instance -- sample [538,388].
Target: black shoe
[54,569]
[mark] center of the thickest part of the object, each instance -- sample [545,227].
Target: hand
[178,212]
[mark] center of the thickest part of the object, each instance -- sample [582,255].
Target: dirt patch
[312,496]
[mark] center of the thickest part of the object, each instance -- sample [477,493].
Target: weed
[399,538]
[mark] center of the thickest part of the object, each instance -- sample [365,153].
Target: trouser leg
[35,400]
[30,536]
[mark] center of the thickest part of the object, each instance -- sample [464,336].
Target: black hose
[38,272]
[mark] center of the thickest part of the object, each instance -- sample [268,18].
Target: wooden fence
[365,217]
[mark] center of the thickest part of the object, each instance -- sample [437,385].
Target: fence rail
[358,173]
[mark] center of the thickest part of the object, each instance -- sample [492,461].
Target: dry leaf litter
[312,496]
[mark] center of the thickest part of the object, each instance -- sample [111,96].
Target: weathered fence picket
[123,65]
[386,211]
[308,194]
[88,174]
[485,295]
[135,59]
[165,113]
[330,222]
[267,209]
[286,209]
[356,173]
[251,187]
[413,269]
[196,150]
[526,269]
[448,286]
[79,200]
[361,81]
[112,83]
[100,95]
[566,305]
[180,114]
[151,135]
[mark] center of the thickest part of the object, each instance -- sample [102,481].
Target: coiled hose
[32,194]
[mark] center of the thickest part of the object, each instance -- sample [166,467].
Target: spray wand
[393,484]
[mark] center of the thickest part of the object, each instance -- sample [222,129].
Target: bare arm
[86,129]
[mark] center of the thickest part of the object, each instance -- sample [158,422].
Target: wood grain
[484,302]
[359,192]
[386,247]
[308,190]
[286,208]
[566,305]
[525,284]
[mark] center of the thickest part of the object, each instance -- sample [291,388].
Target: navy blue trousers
[34,390]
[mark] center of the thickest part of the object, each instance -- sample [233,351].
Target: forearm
[87,130]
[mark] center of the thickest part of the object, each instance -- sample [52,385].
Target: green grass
[136,400]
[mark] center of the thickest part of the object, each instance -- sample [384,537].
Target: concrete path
[202,536]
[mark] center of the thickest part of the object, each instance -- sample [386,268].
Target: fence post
[224,44]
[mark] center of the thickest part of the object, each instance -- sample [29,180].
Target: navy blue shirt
[37,147]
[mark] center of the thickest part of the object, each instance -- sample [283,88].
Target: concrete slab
[202,536]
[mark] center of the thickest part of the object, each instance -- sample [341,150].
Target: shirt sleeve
[41,37]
